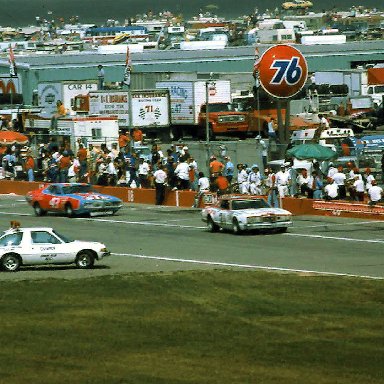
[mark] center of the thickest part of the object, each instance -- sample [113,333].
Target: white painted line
[248,266]
[335,238]
[16,214]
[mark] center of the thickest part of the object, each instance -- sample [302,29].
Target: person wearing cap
[262,147]
[331,190]
[254,181]
[242,179]
[185,153]
[283,180]
[375,194]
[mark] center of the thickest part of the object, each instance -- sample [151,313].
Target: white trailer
[187,97]
[147,109]
[50,93]
[90,129]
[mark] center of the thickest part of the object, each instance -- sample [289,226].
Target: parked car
[244,213]
[39,246]
[71,199]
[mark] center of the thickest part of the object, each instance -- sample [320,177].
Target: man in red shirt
[137,135]
[221,184]
[82,156]
[215,167]
[30,166]
[124,140]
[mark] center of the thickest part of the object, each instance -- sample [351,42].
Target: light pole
[207,133]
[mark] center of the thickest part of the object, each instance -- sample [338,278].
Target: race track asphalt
[144,238]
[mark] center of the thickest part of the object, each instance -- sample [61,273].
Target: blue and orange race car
[72,199]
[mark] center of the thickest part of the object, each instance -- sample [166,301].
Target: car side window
[225,204]
[11,239]
[43,237]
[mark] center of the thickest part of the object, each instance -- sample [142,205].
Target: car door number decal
[54,202]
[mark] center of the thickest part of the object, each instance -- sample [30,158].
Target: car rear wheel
[38,210]
[69,210]
[11,262]
[211,226]
[85,260]
[235,227]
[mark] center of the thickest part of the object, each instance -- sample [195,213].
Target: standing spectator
[143,171]
[64,163]
[339,178]
[82,158]
[203,185]
[160,178]
[137,136]
[375,193]
[263,148]
[331,170]
[100,77]
[271,129]
[182,174]
[192,173]
[242,179]
[185,153]
[283,180]
[270,183]
[228,169]
[111,171]
[52,174]
[221,184]
[30,166]
[324,124]
[170,169]
[155,157]
[215,167]
[132,164]
[73,170]
[92,155]
[124,140]
[254,181]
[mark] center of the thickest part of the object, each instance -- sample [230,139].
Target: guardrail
[297,206]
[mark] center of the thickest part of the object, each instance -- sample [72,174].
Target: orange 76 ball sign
[283,71]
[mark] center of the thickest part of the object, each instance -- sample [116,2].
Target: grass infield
[193,327]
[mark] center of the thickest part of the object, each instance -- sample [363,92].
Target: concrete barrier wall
[186,199]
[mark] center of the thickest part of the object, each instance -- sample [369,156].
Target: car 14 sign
[283,71]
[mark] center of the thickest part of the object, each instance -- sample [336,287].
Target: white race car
[39,246]
[244,213]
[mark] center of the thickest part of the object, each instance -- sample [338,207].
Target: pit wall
[185,199]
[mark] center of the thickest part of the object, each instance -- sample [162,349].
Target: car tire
[211,226]
[69,210]
[85,260]
[10,262]
[38,210]
[236,227]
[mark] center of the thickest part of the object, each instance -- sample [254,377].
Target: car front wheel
[38,210]
[69,210]
[211,226]
[85,260]
[236,227]
[10,263]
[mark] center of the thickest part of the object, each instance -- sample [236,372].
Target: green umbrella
[311,151]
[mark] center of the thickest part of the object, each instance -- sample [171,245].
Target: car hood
[262,212]
[88,244]
[92,196]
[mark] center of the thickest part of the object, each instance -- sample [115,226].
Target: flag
[256,63]
[12,63]
[128,68]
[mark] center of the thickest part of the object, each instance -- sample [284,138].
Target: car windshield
[63,238]
[249,204]
[11,239]
[68,189]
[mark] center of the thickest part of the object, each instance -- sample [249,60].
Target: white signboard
[150,108]
[110,103]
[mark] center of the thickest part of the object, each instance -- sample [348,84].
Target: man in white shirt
[254,180]
[242,179]
[203,185]
[339,178]
[331,190]
[368,178]
[283,180]
[143,172]
[160,178]
[182,173]
[375,193]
